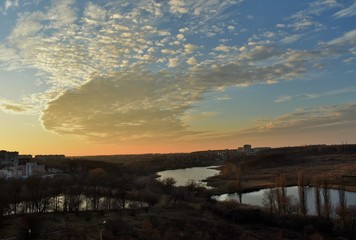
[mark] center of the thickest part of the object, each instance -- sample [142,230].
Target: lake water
[183,176]
[256,198]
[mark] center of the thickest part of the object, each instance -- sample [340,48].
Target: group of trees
[339,215]
[277,201]
[69,193]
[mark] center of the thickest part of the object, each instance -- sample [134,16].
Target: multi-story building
[33,169]
[9,158]
[10,167]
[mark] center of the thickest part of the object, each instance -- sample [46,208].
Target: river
[185,175]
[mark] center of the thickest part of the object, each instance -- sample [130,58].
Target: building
[34,169]
[9,158]
[6,173]
[14,165]
[246,150]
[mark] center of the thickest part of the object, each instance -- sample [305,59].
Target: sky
[150,76]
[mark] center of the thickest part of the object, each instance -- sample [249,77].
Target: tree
[238,183]
[327,200]
[270,199]
[14,188]
[302,192]
[282,199]
[168,184]
[317,196]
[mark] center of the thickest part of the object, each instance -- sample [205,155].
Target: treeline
[151,163]
[96,191]
[86,186]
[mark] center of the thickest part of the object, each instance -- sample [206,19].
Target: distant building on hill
[245,150]
[248,150]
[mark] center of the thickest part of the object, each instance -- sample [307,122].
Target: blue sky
[176,75]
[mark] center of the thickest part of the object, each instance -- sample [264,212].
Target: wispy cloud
[308,121]
[12,107]
[308,96]
[283,99]
[347,40]
[291,39]
[8,4]
[194,116]
[347,12]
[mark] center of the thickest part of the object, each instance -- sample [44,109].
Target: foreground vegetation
[124,200]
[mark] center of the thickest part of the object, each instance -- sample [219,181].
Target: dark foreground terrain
[124,200]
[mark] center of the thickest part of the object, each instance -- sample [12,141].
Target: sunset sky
[109,77]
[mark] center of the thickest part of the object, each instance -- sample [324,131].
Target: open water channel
[199,174]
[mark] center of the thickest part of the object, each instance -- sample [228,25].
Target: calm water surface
[183,176]
[256,198]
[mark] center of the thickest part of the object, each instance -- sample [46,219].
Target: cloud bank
[119,72]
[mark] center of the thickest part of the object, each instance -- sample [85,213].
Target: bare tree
[269,199]
[317,196]
[342,211]
[327,200]
[302,192]
[281,194]
[14,188]
[238,183]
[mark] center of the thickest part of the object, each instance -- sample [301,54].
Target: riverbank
[338,170]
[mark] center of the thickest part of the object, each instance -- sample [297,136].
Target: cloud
[258,53]
[116,72]
[283,99]
[173,62]
[291,39]
[222,48]
[307,19]
[11,4]
[12,107]
[140,104]
[308,96]
[192,61]
[312,120]
[348,39]
[308,121]
[347,12]
[127,106]
[177,7]
[190,48]
[198,116]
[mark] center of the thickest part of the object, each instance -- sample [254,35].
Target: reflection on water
[256,198]
[196,174]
